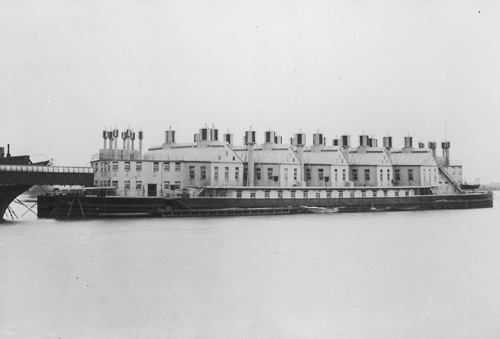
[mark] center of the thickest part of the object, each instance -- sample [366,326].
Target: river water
[431,274]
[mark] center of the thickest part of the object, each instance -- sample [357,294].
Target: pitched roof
[372,156]
[415,158]
[214,152]
[279,154]
[327,156]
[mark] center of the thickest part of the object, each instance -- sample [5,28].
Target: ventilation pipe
[432,146]
[250,142]
[387,142]
[446,152]
[140,137]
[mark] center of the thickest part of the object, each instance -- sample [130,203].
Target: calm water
[433,274]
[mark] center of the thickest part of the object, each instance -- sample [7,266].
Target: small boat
[319,210]
[379,209]
[474,186]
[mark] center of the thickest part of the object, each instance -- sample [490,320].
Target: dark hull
[77,207]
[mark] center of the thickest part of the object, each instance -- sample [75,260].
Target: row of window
[108,166]
[138,185]
[305,194]
[321,174]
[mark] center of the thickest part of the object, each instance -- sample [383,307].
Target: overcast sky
[69,69]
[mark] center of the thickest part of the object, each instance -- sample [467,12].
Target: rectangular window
[177,166]
[352,194]
[363,194]
[354,174]
[138,185]
[252,194]
[396,193]
[166,167]
[156,166]
[341,194]
[203,172]
[304,194]
[258,175]
[292,194]
[269,174]
[308,173]
[374,194]
[367,174]
[317,194]
[388,175]
[336,174]
[286,174]
[237,173]
[115,183]
[138,166]
[127,185]
[238,194]
[216,173]
[226,173]
[343,175]
[295,174]
[280,194]
[266,194]
[166,185]
[397,174]
[127,166]
[320,174]
[410,174]
[385,193]
[191,172]
[328,194]
[381,175]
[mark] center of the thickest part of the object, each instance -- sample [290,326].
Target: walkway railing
[45,169]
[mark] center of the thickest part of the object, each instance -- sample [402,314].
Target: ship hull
[74,206]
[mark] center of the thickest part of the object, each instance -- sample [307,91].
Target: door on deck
[151,190]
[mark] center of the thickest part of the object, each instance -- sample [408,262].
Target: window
[266,194]
[295,174]
[336,174]
[226,173]
[352,194]
[292,194]
[367,174]
[203,172]
[269,173]
[341,194]
[317,194]
[115,183]
[127,185]
[381,175]
[156,166]
[410,174]
[166,185]
[435,178]
[138,185]
[321,174]
[407,193]
[166,167]
[127,166]
[216,173]
[354,174]
[237,173]
[252,194]
[191,172]
[388,175]
[238,194]
[328,194]
[374,194]
[343,175]
[304,194]
[308,173]
[177,166]
[138,166]
[363,194]
[396,193]
[258,175]
[385,193]
[286,174]
[397,174]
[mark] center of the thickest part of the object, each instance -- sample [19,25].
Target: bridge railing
[45,169]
